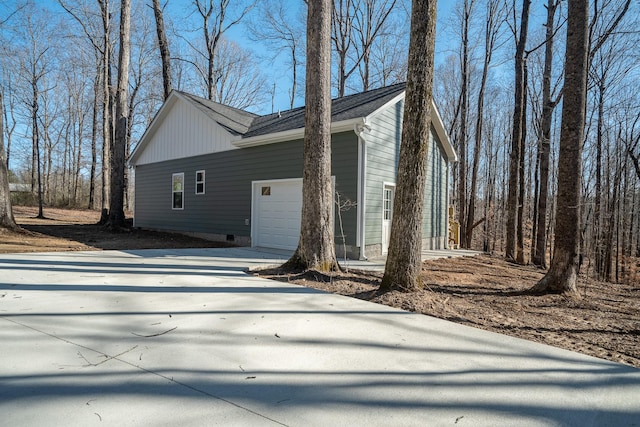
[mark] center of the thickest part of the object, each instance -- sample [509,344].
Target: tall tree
[107,110]
[632,144]
[99,35]
[281,34]
[563,273]
[404,260]
[463,135]
[389,58]
[316,249]
[513,199]
[602,27]
[494,15]
[239,83]
[10,121]
[343,39]
[163,45]
[539,255]
[36,63]
[215,22]
[6,212]
[369,22]
[116,208]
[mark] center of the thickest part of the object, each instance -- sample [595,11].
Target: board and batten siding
[435,226]
[183,123]
[225,207]
[383,151]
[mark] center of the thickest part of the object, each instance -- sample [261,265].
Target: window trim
[173,191]
[203,181]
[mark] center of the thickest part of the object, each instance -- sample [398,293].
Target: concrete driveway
[185,338]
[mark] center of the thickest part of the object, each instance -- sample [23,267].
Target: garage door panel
[278,206]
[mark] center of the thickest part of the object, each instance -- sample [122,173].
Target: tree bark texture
[316,249]
[404,259]
[6,212]
[116,208]
[539,256]
[493,9]
[163,45]
[107,117]
[562,275]
[35,137]
[599,226]
[516,136]
[464,117]
[521,170]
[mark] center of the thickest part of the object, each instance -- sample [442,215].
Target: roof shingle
[248,124]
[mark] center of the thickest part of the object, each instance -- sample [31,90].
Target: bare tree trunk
[9,125]
[599,230]
[464,118]
[635,160]
[370,18]
[562,275]
[539,256]
[213,29]
[6,211]
[342,19]
[163,45]
[107,123]
[492,23]
[521,168]
[404,260]
[36,139]
[294,78]
[116,209]
[280,33]
[611,227]
[516,136]
[316,248]
[94,137]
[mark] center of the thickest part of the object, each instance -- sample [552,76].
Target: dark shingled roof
[248,124]
[235,120]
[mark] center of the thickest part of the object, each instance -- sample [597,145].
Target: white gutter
[360,129]
[446,239]
[291,134]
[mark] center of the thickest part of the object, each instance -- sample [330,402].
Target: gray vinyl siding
[383,149]
[435,221]
[226,203]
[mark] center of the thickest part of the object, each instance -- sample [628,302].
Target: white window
[177,185]
[387,207]
[200,182]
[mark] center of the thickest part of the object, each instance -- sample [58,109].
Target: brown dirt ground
[77,230]
[483,291]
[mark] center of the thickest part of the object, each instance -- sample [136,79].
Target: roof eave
[292,134]
[438,125]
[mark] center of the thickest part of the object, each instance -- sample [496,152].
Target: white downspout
[359,129]
[446,238]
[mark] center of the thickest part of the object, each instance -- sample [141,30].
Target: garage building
[211,170]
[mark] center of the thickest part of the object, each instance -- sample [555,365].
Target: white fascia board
[438,125]
[292,134]
[386,105]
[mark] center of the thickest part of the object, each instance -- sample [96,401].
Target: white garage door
[277,212]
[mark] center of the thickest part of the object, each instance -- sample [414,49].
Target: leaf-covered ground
[487,292]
